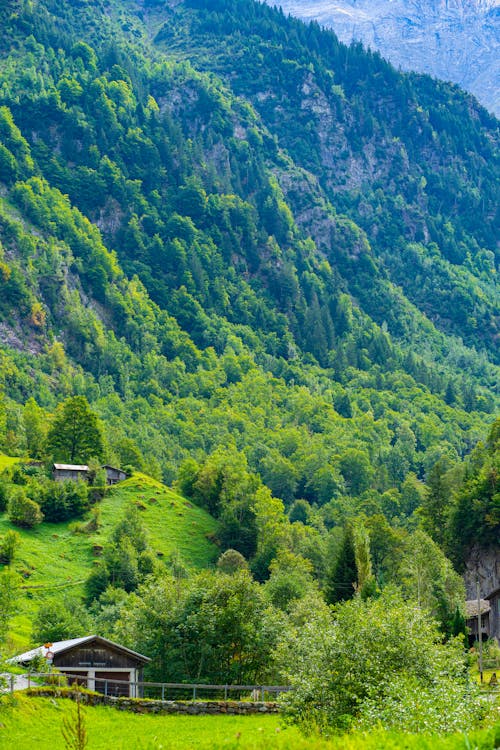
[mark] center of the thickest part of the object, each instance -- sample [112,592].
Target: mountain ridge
[454,41]
[238,296]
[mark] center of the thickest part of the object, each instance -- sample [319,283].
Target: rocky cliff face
[482,564]
[455,40]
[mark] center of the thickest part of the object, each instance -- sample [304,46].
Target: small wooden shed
[114,475]
[94,662]
[472,619]
[70,472]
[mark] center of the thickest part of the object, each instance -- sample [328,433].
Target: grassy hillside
[37,723]
[6,461]
[52,558]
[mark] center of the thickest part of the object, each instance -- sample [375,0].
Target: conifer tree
[343,577]
[436,504]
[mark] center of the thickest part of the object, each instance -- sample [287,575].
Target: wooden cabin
[483,567]
[471,619]
[494,600]
[70,472]
[94,662]
[113,475]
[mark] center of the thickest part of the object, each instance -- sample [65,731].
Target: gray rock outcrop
[454,40]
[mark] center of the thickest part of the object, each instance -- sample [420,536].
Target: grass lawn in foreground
[36,723]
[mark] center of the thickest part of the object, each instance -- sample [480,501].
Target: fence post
[262,694]
[194,692]
[225,692]
[11,684]
[29,680]
[163,692]
[105,687]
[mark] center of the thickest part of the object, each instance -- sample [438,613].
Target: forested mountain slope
[248,246]
[401,155]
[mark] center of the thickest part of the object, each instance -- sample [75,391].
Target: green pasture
[36,722]
[6,461]
[53,559]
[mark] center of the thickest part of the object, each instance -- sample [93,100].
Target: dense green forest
[251,261]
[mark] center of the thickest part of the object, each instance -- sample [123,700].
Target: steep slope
[455,41]
[248,256]
[53,560]
[381,146]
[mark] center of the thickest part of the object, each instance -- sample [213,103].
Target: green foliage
[34,423]
[9,594]
[75,435]
[300,511]
[339,684]
[9,544]
[74,729]
[290,580]
[60,619]
[355,468]
[127,560]
[231,562]
[213,628]
[246,339]
[60,501]
[41,717]
[219,321]
[22,510]
[475,515]
[427,576]
[437,502]
[343,577]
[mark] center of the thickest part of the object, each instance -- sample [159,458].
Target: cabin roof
[471,607]
[59,647]
[71,467]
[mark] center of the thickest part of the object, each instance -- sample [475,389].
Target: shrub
[3,496]
[8,546]
[231,562]
[22,511]
[61,501]
[446,705]
[377,661]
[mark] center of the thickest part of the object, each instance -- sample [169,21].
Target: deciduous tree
[75,434]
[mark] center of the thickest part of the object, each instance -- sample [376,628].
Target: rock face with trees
[454,41]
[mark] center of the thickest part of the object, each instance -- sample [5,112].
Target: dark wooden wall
[95,656]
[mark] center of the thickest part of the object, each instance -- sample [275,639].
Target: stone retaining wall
[147,706]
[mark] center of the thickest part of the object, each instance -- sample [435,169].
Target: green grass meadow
[6,461]
[36,723]
[52,559]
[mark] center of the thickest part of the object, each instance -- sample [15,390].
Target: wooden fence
[157,690]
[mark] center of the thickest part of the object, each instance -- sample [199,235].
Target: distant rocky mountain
[455,40]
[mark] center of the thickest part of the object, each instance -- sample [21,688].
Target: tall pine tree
[343,576]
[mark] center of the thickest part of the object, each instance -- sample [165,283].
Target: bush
[8,546]
[445,705]
[3,496]
[61,501]
[231,562]
[378,661]
[22,511]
